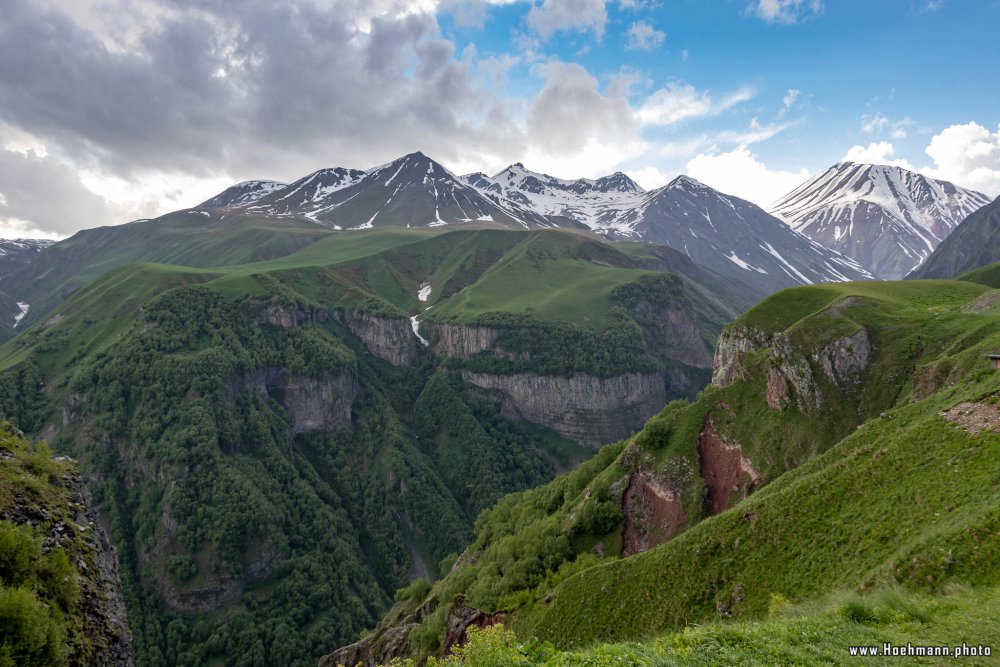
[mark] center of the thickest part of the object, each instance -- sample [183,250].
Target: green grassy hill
[252,429]
[865,424]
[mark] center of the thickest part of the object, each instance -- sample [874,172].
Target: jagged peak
[684,181]
[617,181]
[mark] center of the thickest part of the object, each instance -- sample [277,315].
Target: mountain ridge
[888,218]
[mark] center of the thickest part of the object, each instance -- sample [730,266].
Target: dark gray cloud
[47,194]
[243,88]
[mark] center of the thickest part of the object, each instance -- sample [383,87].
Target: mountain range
[887,218]
[725,234]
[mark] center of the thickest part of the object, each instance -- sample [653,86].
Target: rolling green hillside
[852,432]
[277,453]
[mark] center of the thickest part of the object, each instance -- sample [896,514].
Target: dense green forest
[270,483]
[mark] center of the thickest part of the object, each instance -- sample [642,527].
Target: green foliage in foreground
[816,634]
[40,622]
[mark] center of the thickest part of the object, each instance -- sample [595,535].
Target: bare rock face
[591,410]
[460,341]
[314,403]
[844,359]
[653,513]
[461,618]
[286,317]
[789,368]
[387,338]
[791,371]
[777,390]
[392,642]
[727,473]
[382,645]
[673,334]
[733,346]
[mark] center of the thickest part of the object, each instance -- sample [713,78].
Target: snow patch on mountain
[888,218]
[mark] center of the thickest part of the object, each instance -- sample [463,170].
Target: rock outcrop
[66,519]
[672,333]
[590,410]
[391,339]
[653,513]
[461,618]
[843,360]
[791,372]
[460,341]
[382,645]
[313,403]
[727,473]
[286,317]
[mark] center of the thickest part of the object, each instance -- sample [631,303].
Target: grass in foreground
[815,634]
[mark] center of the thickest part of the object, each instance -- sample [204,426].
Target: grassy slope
[888,503]
[910,499]
[812,634]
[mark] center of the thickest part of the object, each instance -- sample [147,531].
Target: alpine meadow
[723,391]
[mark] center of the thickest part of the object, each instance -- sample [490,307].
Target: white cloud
[739,172]
[788,101]
[676,102]
[879,152]
[877,124]
[873,124]
[568,15]
[969,155]
[685,55]
[785,11]
[649,178]
[642,36]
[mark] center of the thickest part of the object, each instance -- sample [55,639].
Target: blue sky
[111,110]
[821,77]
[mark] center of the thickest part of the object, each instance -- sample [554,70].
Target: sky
[113,110]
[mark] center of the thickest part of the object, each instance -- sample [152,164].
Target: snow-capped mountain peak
[886,217]
[243,193]
[617,182]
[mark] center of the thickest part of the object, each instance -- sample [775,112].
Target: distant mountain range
[887,218]
[728,235]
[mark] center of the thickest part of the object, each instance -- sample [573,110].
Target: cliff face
[673,334]
[460,341]
[391,339]
[49,497]
[313,403]
[591,410]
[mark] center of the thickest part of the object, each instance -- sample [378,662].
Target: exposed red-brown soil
[724,468]
[653,514]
